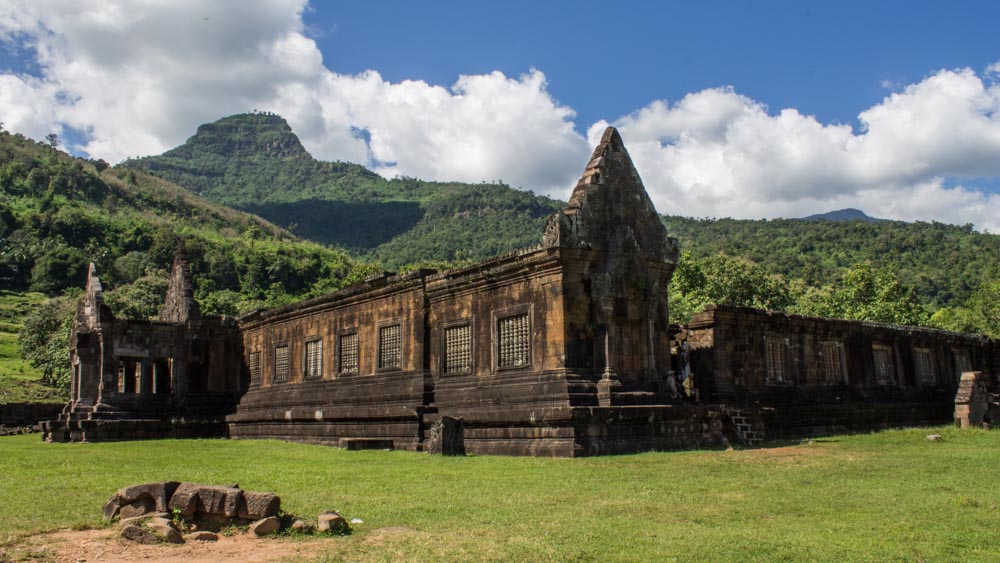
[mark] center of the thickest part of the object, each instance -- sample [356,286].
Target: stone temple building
[563,349]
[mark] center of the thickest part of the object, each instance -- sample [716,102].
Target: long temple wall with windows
[810,373]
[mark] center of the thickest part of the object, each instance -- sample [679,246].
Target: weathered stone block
[159,491]
[224,501]
[185,499]
[202,536]
[256,506]
[193,498]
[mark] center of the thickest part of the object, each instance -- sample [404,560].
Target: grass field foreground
[887,496]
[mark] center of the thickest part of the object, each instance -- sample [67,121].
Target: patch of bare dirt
[105,545]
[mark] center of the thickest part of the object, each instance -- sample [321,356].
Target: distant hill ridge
[847,214]
[255,162]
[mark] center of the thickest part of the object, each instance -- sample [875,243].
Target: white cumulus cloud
[138,79]
[718,153]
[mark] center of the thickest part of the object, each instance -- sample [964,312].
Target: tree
[52,139]
[724,280]
[44,341]
[869,294]
[58,269]
[981,312]
[986,304]
[139,301]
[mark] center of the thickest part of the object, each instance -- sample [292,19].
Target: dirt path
[105,545]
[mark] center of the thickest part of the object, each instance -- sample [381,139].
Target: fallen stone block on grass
[332,522]
[265,526]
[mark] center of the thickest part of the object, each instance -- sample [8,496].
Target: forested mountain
[254,162]
[57,213]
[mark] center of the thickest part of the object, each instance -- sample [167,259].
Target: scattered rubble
[18,430]
[174,512]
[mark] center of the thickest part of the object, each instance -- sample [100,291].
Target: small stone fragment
[139,535]
[934,437]
[300,526]
[202,536]
[265,526]
[166,531]
[331,521]
[161,521]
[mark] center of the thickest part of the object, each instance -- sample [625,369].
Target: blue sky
[743,109]
[831,59]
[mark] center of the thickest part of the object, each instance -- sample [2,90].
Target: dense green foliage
[57,213]
[945,264]
[724,280]
[256,163]
[981,312]
[890,496]
[867,294]
[44,340]
[19,381]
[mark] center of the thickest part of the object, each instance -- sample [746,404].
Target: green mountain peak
[244,135]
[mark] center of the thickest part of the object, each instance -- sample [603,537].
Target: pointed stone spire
[179,305]
[608,200]
[91,310]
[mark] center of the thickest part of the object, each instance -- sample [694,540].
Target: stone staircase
[744,430]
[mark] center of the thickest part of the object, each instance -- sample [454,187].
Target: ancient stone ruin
[563,349]
[975,405]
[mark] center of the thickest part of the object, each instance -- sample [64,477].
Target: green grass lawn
[19,382]
[886,496]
